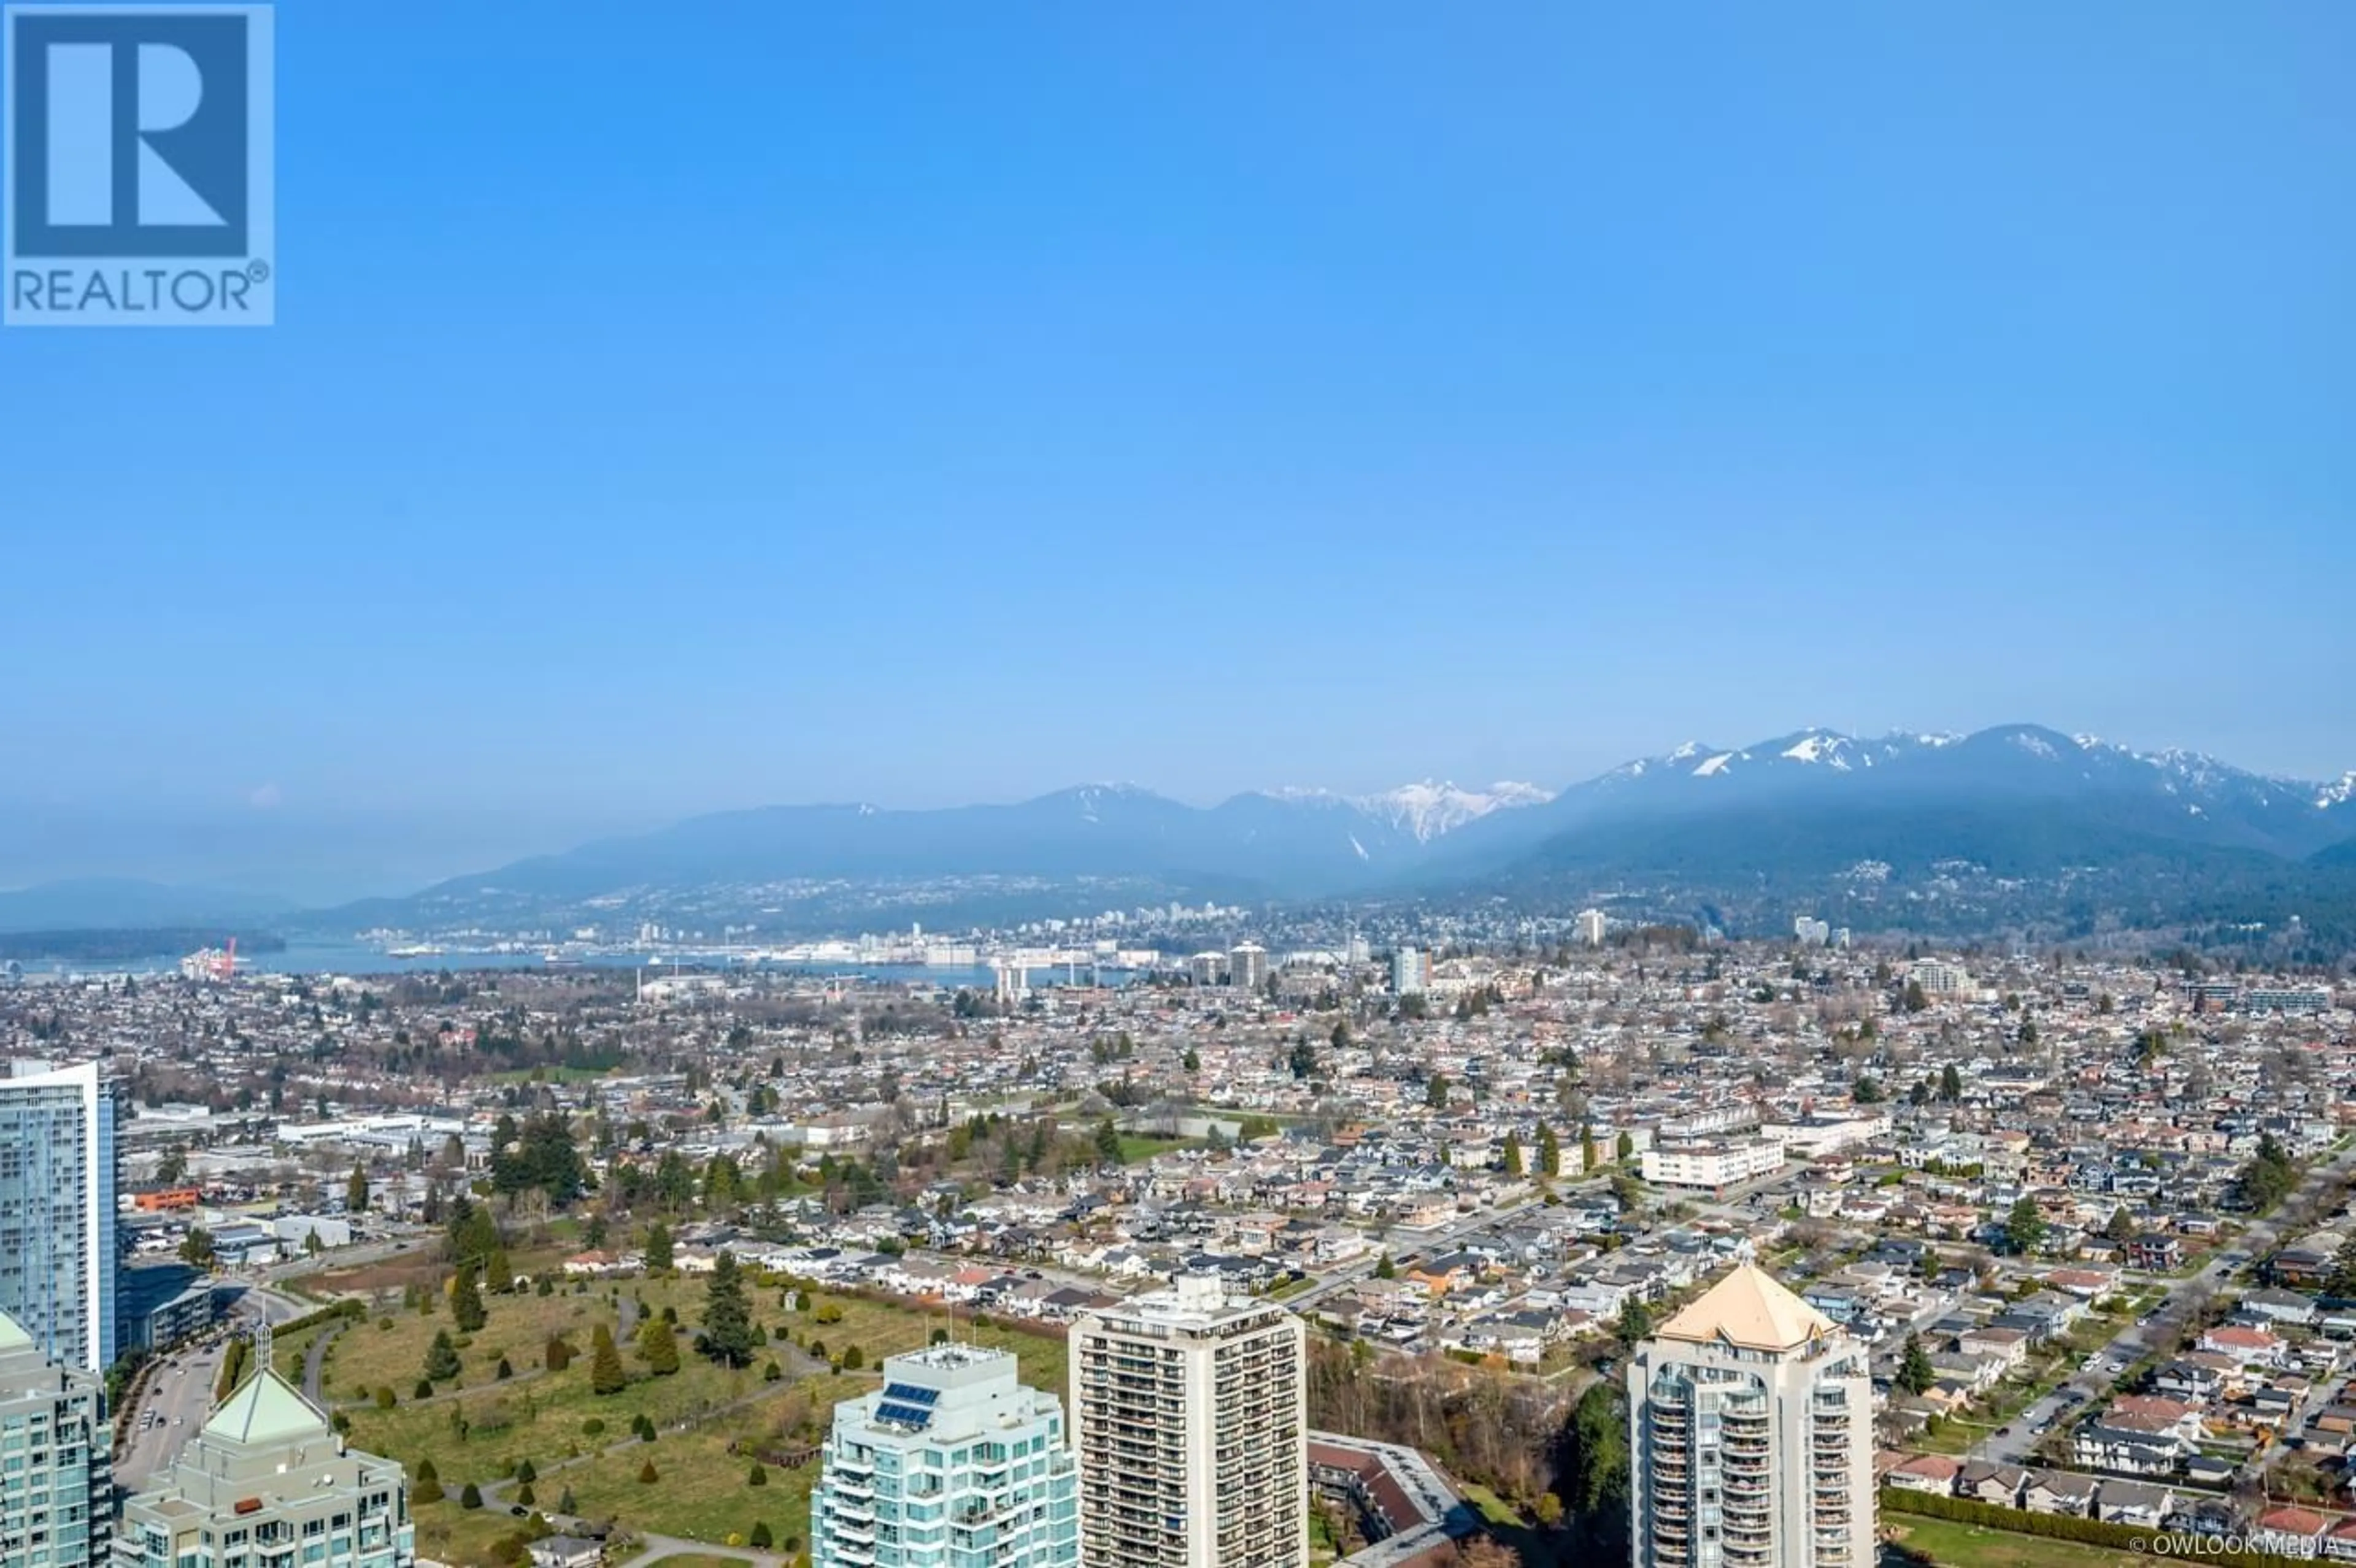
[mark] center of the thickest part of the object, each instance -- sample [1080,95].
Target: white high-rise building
[1410,972]
[1247,966]
[1591,926]
[1751,1419]
[59,1255]
[1810,932]
[56,1492]
[953,1462]
[1191,1415]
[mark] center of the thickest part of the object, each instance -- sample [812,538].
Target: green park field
[711,1420]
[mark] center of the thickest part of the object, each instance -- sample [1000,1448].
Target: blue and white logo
[139,165]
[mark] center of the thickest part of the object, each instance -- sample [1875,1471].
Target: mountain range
[1815,814]
[2014,801]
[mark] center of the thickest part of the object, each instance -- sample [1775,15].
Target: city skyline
[1483,402]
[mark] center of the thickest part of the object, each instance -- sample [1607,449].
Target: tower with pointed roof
[1751,1437]
[268,1484]
[56,1473]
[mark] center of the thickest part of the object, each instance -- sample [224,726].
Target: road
[179,1396]
[179,1392]
[2012,1444]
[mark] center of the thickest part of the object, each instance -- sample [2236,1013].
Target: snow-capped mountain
[2032,799]
[1425,811]
[2160,795]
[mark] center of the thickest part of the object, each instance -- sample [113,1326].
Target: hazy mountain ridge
[2032,801]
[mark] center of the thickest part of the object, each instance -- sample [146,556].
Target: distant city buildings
[1590,926]
[1191,1424]
[1751,1419]
[1207,968]
[56,1466]
[58,1168]
[1810,932]
[1410,972]
[1247,966]
[1940,978]
[268,1484]
[953,1462]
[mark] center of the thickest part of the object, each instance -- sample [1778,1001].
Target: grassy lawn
[448,1533]
[1135,1147]
[702,1491]
[480,1428]
[883,1328]
[1494,1509]
[287,1350]
[1966,1546]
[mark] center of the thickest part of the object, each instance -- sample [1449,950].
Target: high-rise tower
[1750,1436]
[57,1172]
[1191,1410]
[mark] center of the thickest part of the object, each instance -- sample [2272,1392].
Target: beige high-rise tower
[1190,1410]
[1751,1441]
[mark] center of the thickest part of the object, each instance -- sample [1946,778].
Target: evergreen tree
[727,1318]
[606,1372]
[356,1191]
[658,1248]
[1915,1372]
[1635,1323]
[442,1358]
[1435,1093]
[472,1496]
[1595,1474]
[2024,1227]
[1588,1158]
[2122,1226]
[425,1483]
[1951,1084]
[1385,1268]
[1549,1151]
[466,1300]
[657,1347]
[1512,1152]
[1108,1143]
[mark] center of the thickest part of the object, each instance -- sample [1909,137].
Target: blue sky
[685,405]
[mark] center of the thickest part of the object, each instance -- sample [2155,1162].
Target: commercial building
[1410,972]
[59,1250]
[1247,966]
[1751,1419]
[268,1484]
[953,1462]
[1711,1165]
[1591,925]
[56,1469]
[1191,1412]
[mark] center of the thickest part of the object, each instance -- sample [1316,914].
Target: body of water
[359,958]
